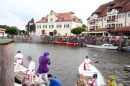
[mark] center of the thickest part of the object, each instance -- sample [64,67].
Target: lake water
[65,61]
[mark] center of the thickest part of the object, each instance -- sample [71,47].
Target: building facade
[62,22]
[112,18]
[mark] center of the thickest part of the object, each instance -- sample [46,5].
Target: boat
[104,46]
[72,44]
[126,48]
[66,43]
[88,74]
[61,43]
[127,68]
[20,74]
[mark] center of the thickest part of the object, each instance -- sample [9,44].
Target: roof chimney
[51,12]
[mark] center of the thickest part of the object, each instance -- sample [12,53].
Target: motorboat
[127,68]
[19,75]
[88,74]
[104,46]
[126,48]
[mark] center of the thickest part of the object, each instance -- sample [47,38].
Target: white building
[112,18]
[62,22]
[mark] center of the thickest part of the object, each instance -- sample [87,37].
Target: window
[66,26]
[38,26]
[121,25]
[44,26]
[51,20]
[128,15]
[51,26]
[59,26]
[119,16]
[123,16]
[101,19]
[108,7]
[129,24]
[104,19]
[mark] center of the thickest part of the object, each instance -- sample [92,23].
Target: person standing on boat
[53,81]
[19,57]
[87,61]
[81,81]
[112,81]
[43,69]
[31,70]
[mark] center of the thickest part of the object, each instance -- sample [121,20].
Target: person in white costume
[87,61]
[31,70]
[19,57]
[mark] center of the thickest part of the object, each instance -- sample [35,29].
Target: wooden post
[6,62]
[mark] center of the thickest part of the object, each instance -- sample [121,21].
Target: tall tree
[55,32]
[43,31]
[80,20]
[31,28]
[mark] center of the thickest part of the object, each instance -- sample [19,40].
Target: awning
[121,29]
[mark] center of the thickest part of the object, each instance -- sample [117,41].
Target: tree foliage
[32,27]
[43,31]
[12,30]
[78,30]
[3,26]
[55,32]
[23,32]
[80,20]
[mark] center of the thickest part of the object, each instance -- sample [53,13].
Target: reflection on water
[66,60]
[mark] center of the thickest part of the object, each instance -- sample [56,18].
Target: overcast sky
[19,12]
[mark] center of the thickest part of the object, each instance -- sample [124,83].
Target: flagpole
[29,28]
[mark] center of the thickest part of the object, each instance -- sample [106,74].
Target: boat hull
[103,47]
[90,73]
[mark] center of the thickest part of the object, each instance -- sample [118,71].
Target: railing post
[6,62]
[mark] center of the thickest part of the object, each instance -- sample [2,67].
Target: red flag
[30,23]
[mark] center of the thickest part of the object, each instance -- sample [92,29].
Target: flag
[30,23]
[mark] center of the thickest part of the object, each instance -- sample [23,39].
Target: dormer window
[51,20]
[60,19]
[108,7]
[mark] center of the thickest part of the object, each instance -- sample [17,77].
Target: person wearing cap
[43,69]
[53,81]
[87,61]
[112,81]
[31,70]
[19,57]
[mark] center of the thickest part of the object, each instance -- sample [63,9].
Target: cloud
[19,12]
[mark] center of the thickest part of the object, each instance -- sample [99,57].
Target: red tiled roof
[123,4]
[119,4]
[62,17]
[43,20]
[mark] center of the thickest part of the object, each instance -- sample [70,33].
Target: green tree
[11,31]
[80,20]
[43,31]
[78,30]
[26,33]
[32,27]
[3,26]
[55,32]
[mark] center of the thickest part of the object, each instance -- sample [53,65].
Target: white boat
[89,74]
[20,74]
[104,46]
